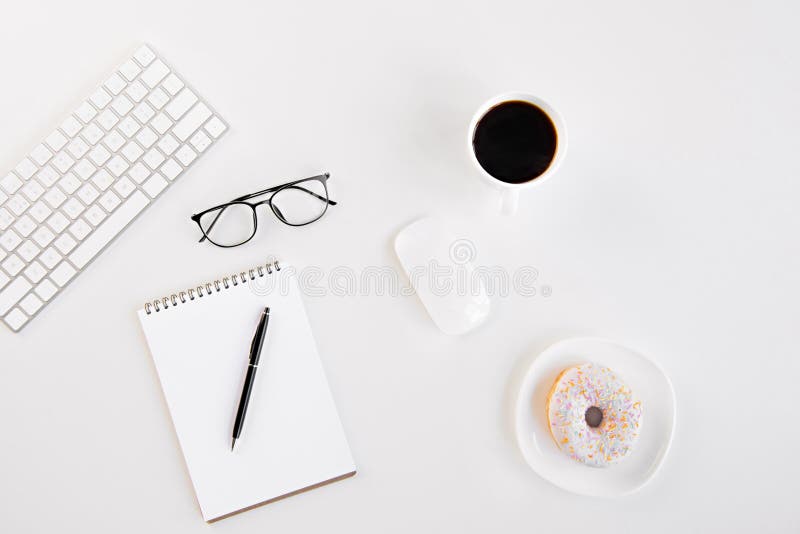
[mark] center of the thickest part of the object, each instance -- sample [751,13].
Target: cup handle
[509,201]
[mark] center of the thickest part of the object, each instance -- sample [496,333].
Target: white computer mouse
[438,263]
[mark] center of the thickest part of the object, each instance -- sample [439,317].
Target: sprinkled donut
[594,416]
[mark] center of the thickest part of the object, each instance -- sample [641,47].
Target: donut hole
[593,416]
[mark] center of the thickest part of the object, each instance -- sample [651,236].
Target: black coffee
[515,142]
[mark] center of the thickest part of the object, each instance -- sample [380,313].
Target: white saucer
[643,376]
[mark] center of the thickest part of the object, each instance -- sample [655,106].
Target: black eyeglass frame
[322,178]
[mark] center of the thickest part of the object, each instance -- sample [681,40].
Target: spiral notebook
[292,439]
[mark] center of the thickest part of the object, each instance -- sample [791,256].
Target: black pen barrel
[258,339]
[245,400]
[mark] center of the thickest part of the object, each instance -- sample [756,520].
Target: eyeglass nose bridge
[275,209]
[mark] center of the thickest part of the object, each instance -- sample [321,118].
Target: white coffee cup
[510,192]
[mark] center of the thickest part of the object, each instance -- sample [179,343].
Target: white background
[671,227]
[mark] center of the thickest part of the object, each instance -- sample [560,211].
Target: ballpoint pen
[252,367]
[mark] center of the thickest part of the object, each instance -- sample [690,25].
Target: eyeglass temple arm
[271,189]
[252,195]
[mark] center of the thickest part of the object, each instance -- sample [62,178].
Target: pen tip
[233,443]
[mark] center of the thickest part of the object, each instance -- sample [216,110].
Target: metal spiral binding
[210,288]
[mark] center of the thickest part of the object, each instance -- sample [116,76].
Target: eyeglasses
[295,203]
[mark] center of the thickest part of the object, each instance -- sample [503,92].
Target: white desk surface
[671,227]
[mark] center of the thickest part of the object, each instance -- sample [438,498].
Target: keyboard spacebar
[109,229]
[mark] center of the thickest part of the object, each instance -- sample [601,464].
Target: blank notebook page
[292,437]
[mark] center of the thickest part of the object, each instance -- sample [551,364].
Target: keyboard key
[109,201]
[62,274]
[46,290]
[3,197]
[99,154]
[117,165]
[80,229]
[40,211]
[16,319]
[41,154]
[13,265]
[10,183]
[200,141]
[47,175]
[28,250]
[25,168]
[88,194]
[128,126]
[43,236]
[33,190]
[56,140]
[173,84]
[139,173]
[94,215]
[107,119]
[92,134]
[5,219]
[186,155]
[158,98]
[62,161]
[69,183]
[30,304]
[35,272]
[161,123]
[86,113]
[132,151]
[168,144]
[171,169]
[114,140]
[154,185]
[50,257]
[18,204]
[181,104]
[78,147]
[102,179]
[191,121]
[215,127]
[115,84]
[100,98]
[130,70]
[136,91]
[155,73]
[65,243]
[122,105]
[71,126]
[109,229]
[84,169]
[73,208]
[124,187]
[144,56]
[143,112]
[58,222]
[153,158]
[146,137]
[24,226]
[9,240]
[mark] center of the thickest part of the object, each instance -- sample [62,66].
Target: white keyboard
[78,189]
